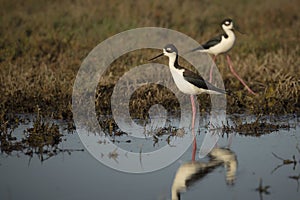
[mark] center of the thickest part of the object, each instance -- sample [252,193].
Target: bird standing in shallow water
[187,81]
[222,44]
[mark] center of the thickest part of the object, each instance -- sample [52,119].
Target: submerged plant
[42,134]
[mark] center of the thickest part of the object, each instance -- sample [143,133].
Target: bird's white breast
[224,46]
[183,85]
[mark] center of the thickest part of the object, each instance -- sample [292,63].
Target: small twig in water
[296,178]
[262,189]
[284,162]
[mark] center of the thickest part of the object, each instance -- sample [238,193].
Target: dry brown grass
[44,42]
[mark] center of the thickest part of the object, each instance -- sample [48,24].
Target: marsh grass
[42,138]
[42,44]
[256,128]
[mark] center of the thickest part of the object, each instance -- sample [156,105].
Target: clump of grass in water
[8,142]
[41,139]
[257,128]
[41,136]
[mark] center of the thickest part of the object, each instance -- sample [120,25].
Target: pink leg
[240,79]
[211,69]
[194,111]
[193,128]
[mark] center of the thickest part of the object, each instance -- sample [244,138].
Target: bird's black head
[170,48]
[227,24]
[227,21]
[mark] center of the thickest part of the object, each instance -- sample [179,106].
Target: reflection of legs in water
[230,137]
[193,127]
[211,69]
[238,77]
[194,145]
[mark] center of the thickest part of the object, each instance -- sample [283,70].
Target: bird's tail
[215,90]
[200,49]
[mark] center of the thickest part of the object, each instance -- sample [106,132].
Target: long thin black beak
[156,57]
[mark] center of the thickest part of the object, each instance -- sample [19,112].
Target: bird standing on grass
[222,44]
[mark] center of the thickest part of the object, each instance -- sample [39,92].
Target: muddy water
[234,173]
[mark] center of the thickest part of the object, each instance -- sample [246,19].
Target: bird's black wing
[212,42]
[195,79]
[201,173]
[199,82]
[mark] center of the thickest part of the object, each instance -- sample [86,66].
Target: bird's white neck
[230,33]
[172,60]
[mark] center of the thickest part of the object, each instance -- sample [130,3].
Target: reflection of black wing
[199,82]
[202,172]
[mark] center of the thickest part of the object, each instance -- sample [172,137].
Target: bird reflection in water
[193,171]
[189,173]
[228,158]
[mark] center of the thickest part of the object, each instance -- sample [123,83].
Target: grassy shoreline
[43,44]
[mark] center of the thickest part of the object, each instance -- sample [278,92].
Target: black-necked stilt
[222,44]
[187,81]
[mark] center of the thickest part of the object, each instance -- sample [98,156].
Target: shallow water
[81,176]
